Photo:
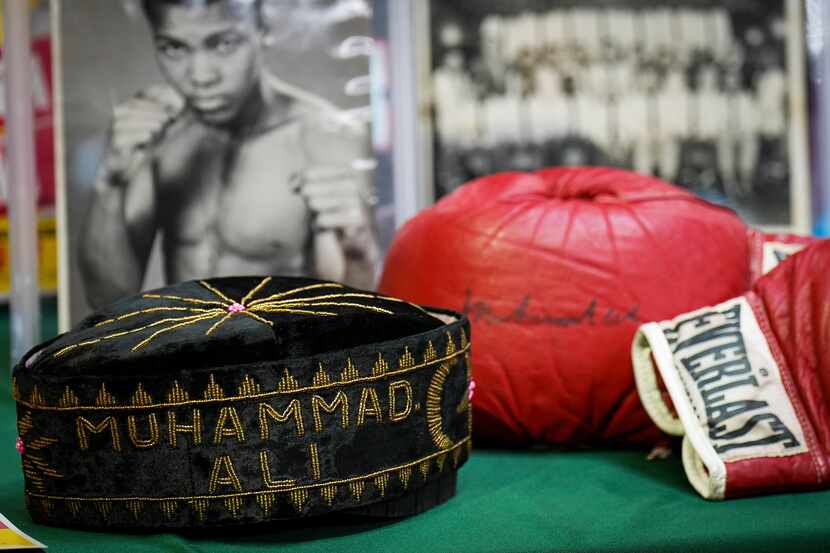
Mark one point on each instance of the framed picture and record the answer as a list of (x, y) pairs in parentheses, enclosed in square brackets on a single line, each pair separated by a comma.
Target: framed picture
[(200, 138), (818, 56), (708, 95)]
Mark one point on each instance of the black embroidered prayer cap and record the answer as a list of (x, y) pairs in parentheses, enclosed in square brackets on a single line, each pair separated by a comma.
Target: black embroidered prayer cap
[(241, 400)]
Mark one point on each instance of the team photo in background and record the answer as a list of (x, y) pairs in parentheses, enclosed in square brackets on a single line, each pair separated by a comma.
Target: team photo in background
[(696, 93)]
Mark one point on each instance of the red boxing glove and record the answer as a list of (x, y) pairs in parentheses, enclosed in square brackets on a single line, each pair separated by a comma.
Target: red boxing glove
[(767, 250), (556, 271), (749, 380)]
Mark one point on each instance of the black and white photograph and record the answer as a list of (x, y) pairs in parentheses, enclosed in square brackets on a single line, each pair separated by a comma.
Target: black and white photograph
[(211, 138), (707, 95)]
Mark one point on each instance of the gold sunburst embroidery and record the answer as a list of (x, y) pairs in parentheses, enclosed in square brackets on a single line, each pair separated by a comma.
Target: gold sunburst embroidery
[(223, 309)]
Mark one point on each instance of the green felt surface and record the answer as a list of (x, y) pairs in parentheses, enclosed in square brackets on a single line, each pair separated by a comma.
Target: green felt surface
[(507, 501)]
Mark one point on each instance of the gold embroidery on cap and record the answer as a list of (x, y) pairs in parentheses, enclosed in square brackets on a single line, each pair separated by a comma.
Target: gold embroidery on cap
[(356, 487), (153, 430), (315, 461), (321, 378), (217, 324), (169, 508), (150, 310), (349, 373), (179, 397), (226, 309), (266, 411), (200, 506), (24, 423), (177, 394), (249, 387), (396, 415), (287, 382), (266, 502), (35, 398), (429, 353), (213, 390), (403, 472), (141, 397), (104, 508), (221, 431), (41, 443), (68, 398), (456, 455), (298, 498), (381, 482), (35, 466), (423, 466), (104, 398), (404, 475), (226, 298), (135, 506), (440, 460), (194, 429), (234, 506), (46, 505), (450, 345), (380, 367), (82, 426), (279, 295), (223, 474), (74, 507), (265, 470), (435, 393), (318, 403), (363, 411), (406, 360), (179, 322), (328, 493)]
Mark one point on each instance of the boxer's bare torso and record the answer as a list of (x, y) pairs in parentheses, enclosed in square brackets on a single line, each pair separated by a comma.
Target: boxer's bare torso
[(226, 204), (224, 201)]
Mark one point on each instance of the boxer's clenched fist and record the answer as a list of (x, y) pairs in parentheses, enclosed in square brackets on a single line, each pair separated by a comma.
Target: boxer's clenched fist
[(339, 198), (137, 124)]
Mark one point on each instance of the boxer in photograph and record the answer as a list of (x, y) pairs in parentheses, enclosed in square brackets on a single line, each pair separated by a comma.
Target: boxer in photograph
[(694, 30), (456, 118), (548, 116), (492, 50), (658, 33), (720, 33), (555, 31), (239, 172), (593, 119), (511, 39), (772, 98), (674, 106), (587, 29), (624, 34), (453, 90), (547, 80), (709, 115)]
